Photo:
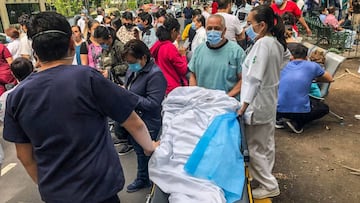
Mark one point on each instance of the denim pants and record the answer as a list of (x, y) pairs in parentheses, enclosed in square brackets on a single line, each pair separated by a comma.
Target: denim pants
[(142, 159)]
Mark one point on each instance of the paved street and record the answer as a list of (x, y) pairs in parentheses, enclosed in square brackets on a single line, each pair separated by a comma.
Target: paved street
[(17, 187)]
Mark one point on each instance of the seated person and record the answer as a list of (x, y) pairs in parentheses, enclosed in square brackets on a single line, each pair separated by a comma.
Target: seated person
[(316, 56), (295, 108), (323, 14), (332, 21)]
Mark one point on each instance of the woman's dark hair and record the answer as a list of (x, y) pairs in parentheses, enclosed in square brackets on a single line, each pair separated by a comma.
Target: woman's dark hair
[(12, 32), (164, 32), (78, 27), (127, 15), (21, 68), (51, 35), (137, 49), (331, 10), (105, 33), (116, 23), (200, 18), (145, 17), (288, 18), (266, 14), (90, 24)]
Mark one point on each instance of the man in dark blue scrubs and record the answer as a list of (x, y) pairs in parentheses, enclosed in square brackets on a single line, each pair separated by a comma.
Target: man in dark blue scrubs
[(57, 119)]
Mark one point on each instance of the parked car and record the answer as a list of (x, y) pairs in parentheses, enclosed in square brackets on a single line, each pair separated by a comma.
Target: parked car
[(177, 9)]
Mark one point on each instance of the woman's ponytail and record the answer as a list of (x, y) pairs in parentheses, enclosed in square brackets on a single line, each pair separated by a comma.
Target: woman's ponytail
[(279, 31)]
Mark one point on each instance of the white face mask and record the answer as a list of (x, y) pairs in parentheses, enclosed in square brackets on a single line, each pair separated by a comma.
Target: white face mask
[(279, 2)]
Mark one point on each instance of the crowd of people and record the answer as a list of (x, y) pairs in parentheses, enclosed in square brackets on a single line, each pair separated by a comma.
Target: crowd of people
[(120, 68)]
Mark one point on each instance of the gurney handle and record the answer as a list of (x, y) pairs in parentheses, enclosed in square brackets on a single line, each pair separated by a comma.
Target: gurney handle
[(244, 147)]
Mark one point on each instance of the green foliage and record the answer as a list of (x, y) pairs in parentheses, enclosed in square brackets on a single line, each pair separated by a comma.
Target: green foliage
[(66, 7), (132, 4)]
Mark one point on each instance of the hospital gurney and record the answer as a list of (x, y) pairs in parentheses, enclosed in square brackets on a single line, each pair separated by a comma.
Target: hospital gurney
[(158, 196)]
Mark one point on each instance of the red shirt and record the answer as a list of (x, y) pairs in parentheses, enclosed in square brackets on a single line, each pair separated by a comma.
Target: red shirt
[(5, 73), (214, 7), (289, 7), (171, 63)]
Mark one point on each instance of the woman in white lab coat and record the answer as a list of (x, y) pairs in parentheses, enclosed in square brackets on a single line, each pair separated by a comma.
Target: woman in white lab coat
[(260, 79)]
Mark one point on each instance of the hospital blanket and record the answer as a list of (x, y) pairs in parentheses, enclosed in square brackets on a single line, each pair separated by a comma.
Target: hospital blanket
[(187, 113)]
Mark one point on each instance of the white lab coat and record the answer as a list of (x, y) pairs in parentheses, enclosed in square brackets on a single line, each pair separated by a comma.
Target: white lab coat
[(260, 79)]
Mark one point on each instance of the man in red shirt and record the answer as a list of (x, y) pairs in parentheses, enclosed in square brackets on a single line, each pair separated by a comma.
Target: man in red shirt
[(214, 7), (282, 6)]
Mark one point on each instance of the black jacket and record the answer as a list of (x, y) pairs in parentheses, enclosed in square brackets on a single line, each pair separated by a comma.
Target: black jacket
[(150, 85)]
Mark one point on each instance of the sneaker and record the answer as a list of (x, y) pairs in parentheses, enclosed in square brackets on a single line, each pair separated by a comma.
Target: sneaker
[(125, 149), (293, 126), (138, 184), (118, 141), (279, 124), (262, 193)]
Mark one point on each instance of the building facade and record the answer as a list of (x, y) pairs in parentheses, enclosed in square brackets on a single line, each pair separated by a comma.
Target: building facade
[(10, 10)]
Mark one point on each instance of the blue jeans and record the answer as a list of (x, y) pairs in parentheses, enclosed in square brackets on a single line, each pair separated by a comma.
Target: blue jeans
[(142, 159)]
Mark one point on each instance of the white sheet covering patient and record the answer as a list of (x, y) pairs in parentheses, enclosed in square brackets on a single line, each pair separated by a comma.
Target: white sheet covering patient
[(187, 112)]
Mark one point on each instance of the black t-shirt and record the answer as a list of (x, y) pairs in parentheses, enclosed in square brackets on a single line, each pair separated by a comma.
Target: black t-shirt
[(84, 47), (63, 113)]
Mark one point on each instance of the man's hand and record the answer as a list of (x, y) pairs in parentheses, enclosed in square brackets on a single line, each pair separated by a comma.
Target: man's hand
[(182, 51), (155, 145), (308, 32)]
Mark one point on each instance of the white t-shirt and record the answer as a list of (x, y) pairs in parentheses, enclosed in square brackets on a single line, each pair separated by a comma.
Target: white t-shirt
[(233, 26), (205, 14), (14, 48), (199, 38), (3, 98), (99, 18), (25, 48), (81, 23)]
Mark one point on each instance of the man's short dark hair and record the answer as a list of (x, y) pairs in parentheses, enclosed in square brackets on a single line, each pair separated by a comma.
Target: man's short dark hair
[(300, 51), (223, 4), (127, 15), (51, 35), (99, 11), (21, 68)]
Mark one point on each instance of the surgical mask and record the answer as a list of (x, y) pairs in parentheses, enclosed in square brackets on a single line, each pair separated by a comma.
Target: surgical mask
[(104, 46), (141, 27), (135, 67), (128, 25), (279, 2), (251, 33), (213, 37), (159, 24), (193, 26), (8, 39)]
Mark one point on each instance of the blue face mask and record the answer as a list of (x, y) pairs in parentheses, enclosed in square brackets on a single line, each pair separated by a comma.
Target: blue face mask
[(140, 26), (104, 46), (213, 37), (135, 67), (8, 39), (193, 26), (251, 33)]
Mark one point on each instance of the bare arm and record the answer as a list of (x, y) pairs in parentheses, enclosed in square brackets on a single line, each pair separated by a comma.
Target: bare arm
[(236, 89), (9, 60), (84, 59), (303, 23), (25, 155), (138, 130), (326, 77), (192, 79)]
